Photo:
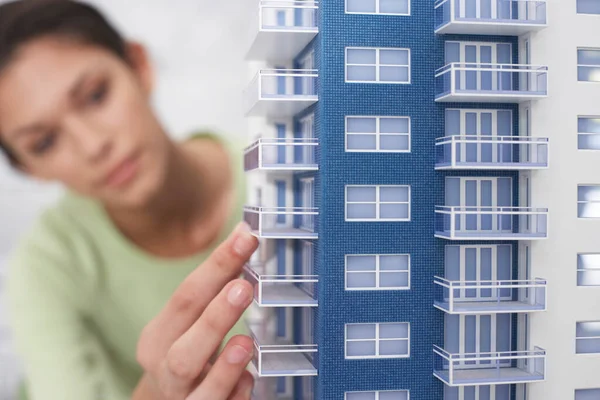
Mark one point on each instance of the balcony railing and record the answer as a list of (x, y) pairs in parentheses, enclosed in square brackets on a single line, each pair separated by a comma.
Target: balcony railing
[(282, 222), (491, 152), (491, 223), (489, 368), (281, 154), (470, 82), (484, 17), (283, 359), (281, 93), (281, 290), (282, 28), (476, 297)]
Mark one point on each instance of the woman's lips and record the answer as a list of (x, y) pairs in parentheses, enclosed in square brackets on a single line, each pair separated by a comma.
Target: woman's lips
[(123, 173)]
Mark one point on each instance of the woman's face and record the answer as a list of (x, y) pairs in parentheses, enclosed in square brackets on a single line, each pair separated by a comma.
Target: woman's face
[(79, 115)]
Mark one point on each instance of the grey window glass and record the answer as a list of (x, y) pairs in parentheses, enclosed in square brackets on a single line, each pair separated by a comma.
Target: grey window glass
[(361, 56), (393, 74), (361, 125), (393, 7), (361, 193), (361, 6), (362, 142), (357, 349), (588, 337), (588, 142), (589, 133), (588, 269), (589, 65), (393, 125), (394, 395), (360, 331), (393, 57), (361, 73), (360, 263), (588, 124), (360, 211), (393, 331), (394, 142), (360, 396), (393, 262), (393, 279), (588, 7), (361, 280), (588, 193), (587, 394), (394, 211), (395, 194), (393, 347)]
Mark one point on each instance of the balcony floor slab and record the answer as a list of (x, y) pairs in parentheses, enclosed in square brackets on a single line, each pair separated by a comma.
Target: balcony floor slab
[(477, 307), (488, 376)]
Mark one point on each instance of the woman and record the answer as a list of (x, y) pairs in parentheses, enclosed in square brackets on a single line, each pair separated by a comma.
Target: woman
[(122, 290)]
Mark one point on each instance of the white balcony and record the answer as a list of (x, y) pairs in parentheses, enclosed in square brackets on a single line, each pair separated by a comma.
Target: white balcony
[(488, 297), (282, 222), (281, 155), (280, 358), (490, 368), (487, 17), (491, 223), (490, 83), (280, 93), (281, 290), (491, 152), (282, 28)]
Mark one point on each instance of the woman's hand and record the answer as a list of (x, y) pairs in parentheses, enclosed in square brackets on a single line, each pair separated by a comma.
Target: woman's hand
[(176, 347)]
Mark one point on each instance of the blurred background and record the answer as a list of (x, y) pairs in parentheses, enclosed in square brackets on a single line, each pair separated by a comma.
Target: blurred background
[(197, 47)]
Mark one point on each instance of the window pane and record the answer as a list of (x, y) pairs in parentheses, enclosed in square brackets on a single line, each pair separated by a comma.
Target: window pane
[(588, 278), (587, 394), (588, 125), (360, 263), (393, 348), (393, 7), (397, 262), (357, 349), (588, 261), (360, 331), (394, 395), (588, 74), (588, 210), (393, 57), (588, 329), (393, 74), (360, 396), (588, 346), (393, 280), (588, 193), (362, 211), (588, 142), (361, 56), (361, 73), (393, 125), (361, 193), (361, 142), (588, 57), (394, 211), (361, 280), (394, 193), (362, 6), (393, 331), (361, 125), (394, 142)]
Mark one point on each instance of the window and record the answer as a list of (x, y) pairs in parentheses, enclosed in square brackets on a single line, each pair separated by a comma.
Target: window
[(380, 395), (588, 6), (587, 394), (398, 7), (588, 337), (385, 134), (385, 340), (377, 203), (588, 65), (588, 269), (588, 133), (588, 201), (381, 65), (378, 272)]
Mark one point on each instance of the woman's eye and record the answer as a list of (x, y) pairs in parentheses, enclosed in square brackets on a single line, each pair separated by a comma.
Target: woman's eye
[(44, 144), (98, 95)]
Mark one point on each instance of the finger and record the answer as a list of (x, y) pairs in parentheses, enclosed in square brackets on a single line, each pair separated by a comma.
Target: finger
[(194, 294), (226, 372), (193, 350), (243, 389)]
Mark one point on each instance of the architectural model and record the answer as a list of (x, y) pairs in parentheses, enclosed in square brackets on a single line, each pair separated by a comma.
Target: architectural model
[(425, 182)]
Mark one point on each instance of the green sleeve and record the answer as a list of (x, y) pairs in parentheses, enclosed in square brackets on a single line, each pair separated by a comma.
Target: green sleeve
[(48, 296)]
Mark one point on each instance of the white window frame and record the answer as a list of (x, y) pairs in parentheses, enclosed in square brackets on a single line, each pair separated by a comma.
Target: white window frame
[(577, 339), (377, 203), (583, 270), (377, 134), (377, 392), (376, 339), (377, 65), (377, 271), (587, 65), (585, 133), (377, 12)]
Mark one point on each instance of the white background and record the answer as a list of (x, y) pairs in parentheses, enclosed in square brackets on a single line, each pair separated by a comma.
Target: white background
[(197, 48)]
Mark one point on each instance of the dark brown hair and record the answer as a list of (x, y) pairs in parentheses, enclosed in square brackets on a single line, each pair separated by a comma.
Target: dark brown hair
[(24, 20)]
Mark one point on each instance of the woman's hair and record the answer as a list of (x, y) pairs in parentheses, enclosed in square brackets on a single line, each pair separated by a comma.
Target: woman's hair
[(24, 20)]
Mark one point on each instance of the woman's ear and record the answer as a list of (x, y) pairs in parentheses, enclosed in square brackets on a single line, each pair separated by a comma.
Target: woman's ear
[(139, 60)]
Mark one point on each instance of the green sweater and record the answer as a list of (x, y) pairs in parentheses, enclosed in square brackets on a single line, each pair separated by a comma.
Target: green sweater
[(79, 295)]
